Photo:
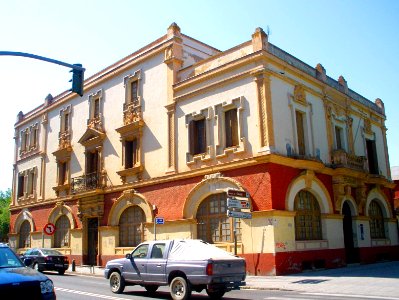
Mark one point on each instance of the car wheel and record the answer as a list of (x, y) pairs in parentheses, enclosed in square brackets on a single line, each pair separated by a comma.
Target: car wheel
[(216, 295), (151, 288), (117, 283), (36, 267), (61, 272), (180, 289)]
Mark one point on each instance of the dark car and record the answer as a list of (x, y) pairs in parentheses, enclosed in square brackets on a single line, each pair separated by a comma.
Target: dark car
[(44, 259), (17, 281)]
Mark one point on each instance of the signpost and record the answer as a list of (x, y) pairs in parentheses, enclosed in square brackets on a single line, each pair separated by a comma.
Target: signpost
[(48, 229), (236, 201), (159, 221)]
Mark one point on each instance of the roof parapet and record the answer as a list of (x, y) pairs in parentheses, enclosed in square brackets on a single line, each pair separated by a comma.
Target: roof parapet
[(260, 40)]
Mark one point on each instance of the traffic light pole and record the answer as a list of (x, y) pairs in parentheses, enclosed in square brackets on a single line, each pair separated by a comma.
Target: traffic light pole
[(77, 69)]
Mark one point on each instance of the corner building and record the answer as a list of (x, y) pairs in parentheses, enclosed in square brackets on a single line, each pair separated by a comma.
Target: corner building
[(167, 130)]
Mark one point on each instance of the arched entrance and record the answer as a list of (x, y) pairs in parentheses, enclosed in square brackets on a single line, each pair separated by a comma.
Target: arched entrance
[(352, 255)]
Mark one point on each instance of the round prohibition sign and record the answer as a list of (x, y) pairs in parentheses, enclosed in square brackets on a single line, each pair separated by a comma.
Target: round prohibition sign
[(49, 229)]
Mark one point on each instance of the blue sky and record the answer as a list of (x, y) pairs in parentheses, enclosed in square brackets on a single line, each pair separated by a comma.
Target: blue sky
[(356, 39)]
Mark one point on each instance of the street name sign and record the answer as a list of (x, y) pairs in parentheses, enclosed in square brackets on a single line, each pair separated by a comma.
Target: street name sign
[(236, 203), (237, 193), (159, 220), (239, 214)]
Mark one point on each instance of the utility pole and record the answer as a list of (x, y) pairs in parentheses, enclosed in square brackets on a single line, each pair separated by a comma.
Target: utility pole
[(77, 69)]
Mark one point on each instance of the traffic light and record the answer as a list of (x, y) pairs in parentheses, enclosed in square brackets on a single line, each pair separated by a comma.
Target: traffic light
[(77, 80)]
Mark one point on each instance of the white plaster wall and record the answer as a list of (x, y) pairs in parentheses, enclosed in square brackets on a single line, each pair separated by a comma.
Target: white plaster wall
[(333, 232), (282, 118), (393, 233)]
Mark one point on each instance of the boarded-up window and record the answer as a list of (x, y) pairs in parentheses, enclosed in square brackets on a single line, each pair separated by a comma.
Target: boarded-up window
[(308, 217), (131, 227), (300, 129), (231, 128), (197, 136)]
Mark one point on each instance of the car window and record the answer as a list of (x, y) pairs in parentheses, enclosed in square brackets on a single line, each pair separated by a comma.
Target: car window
[(158, 251), (141, 251), (34, 252), (8, 259), (28, 252), (51, 252)]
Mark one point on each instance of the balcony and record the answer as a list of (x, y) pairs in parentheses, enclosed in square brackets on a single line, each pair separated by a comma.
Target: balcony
[(342, 159), (86, 183)]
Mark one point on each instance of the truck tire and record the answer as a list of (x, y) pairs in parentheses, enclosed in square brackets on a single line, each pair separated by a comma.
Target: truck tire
[(116, 282), (151, 288), (215, 295), (180, 289)]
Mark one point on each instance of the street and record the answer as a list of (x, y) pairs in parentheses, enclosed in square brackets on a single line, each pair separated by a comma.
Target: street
[(71, 287)]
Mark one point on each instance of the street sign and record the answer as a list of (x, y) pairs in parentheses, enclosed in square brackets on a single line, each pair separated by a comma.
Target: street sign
[(239, 214), (49, 229), (237, 193), (235, 203), (159, 220)]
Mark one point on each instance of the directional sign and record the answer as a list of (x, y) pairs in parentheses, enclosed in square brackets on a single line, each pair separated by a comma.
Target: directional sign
[(159, 220), (237, 193), (49, 229), (235, 203), (239, 214)]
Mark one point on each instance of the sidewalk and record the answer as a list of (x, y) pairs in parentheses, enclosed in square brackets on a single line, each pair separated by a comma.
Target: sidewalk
[(379, 279)]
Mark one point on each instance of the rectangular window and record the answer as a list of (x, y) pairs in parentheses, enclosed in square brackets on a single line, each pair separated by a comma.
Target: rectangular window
[(231, 128), (131, 153), (34, 137), (372, 157), (300, 129), (339, 137), (31, 179), (96, 108), (21, 185), (92, 162), (197, 137), (66, 122), (62, 169), (134, 91)]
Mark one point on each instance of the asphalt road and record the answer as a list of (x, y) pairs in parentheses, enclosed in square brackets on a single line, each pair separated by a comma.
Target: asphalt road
[(72, 287)]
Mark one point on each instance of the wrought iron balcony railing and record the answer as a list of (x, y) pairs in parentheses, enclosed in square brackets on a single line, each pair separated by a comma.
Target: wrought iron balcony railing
[(86, 182)]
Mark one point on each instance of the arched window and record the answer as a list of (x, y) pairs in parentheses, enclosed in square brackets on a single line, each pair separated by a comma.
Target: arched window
[(213, 225), (131, 231), (24, 235), (377, 230), (61, 235), (307, 218)]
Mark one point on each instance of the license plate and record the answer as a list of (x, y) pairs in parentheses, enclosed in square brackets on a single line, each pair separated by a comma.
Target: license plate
[(59, 266)]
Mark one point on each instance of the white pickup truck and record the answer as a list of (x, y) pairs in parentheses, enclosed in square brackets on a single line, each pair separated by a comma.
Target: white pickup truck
[(184, 265)]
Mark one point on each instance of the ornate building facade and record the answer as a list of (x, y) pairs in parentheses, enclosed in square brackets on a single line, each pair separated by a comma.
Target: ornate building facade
[(167, 130)]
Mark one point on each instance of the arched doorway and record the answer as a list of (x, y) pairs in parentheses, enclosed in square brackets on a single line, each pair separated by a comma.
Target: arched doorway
[(351, 252)]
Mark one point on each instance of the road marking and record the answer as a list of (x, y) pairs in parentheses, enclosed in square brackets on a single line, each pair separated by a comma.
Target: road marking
[(88, 294), (352, 296)]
